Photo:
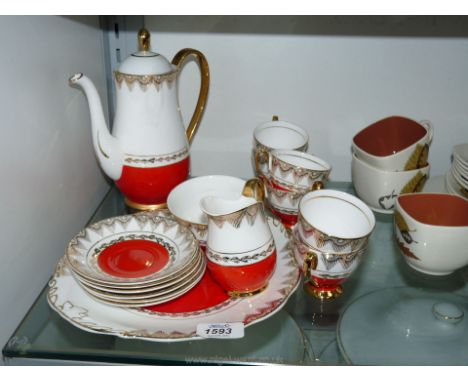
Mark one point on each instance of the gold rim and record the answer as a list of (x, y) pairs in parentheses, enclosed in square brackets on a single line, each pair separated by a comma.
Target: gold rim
[(322, 294), (238, 294), (145, 207)]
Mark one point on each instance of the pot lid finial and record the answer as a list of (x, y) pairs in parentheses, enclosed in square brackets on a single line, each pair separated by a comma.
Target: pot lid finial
[(144, 62), (144, 40)]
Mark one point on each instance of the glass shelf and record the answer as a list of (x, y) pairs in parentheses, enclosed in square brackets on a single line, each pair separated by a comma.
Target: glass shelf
[(302, 333)]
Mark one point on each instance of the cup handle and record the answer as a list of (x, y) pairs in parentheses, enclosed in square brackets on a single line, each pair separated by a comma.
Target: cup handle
[(310, 264), (430, 129), (254, 188), (261, 155), (318, 185)]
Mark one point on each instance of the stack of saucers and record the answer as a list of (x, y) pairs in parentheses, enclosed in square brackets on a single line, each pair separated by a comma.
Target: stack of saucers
[(456, 179), (136, 260)]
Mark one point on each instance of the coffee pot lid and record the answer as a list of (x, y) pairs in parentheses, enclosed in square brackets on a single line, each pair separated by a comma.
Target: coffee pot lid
[(145, 62), (405, 326)]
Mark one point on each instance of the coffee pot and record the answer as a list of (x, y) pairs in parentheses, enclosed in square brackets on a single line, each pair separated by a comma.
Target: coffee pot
[(147, 154)]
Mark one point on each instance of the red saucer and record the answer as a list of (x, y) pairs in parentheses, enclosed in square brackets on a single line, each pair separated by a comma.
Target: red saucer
[(133, 258)]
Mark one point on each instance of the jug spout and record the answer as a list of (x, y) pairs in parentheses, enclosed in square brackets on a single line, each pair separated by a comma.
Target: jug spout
[(215, 206), (241, 221), (107, 147)]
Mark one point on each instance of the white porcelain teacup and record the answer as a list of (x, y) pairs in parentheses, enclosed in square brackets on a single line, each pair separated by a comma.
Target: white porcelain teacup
[(296, 170), (394, 144), (275, 135), (329, 239), (291, 175), (379, 188), (431, 231)]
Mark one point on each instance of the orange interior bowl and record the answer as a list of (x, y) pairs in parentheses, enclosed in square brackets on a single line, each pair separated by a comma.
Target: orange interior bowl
[(436, 209), (389, 136)]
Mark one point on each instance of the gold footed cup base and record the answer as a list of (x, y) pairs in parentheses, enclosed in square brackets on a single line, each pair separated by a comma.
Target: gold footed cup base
[(237, 294), (322, 294), (144, 207)]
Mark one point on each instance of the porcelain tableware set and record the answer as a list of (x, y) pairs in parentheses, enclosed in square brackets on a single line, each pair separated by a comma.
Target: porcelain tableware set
[(214, 255), (176, 320), (389, 158), (156, 260)]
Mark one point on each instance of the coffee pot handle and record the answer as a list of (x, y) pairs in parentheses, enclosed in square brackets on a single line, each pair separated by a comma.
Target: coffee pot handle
[(179, 60)]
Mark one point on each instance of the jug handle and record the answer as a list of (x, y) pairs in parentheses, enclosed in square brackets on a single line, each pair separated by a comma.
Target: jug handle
[(254, 188), (179, 60)]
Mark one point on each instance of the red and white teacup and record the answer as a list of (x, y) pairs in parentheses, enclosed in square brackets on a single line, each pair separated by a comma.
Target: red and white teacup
[(295, 170), (284, 203), (330, 238), (291, 175)]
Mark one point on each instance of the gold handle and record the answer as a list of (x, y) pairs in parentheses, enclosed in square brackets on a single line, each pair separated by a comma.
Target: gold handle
[(261, 156), (310, 264), (179, 60), (318, 185), (254, 188)]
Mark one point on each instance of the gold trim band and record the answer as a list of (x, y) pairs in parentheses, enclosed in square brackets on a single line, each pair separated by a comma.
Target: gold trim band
[(322, 294), (145, 207), (238, 294)]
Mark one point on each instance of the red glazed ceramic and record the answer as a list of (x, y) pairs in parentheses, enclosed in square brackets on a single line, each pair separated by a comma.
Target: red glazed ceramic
[(147, 154)]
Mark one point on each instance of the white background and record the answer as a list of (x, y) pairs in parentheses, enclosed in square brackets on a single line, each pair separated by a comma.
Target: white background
[(331, 85)]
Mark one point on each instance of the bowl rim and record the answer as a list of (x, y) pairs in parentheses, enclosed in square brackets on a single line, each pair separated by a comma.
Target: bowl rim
[(383, 157), (196, 179), (376, 169), (400, 208)]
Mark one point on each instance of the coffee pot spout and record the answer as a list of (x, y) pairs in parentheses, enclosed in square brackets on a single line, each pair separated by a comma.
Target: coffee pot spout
[(106, 147)]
